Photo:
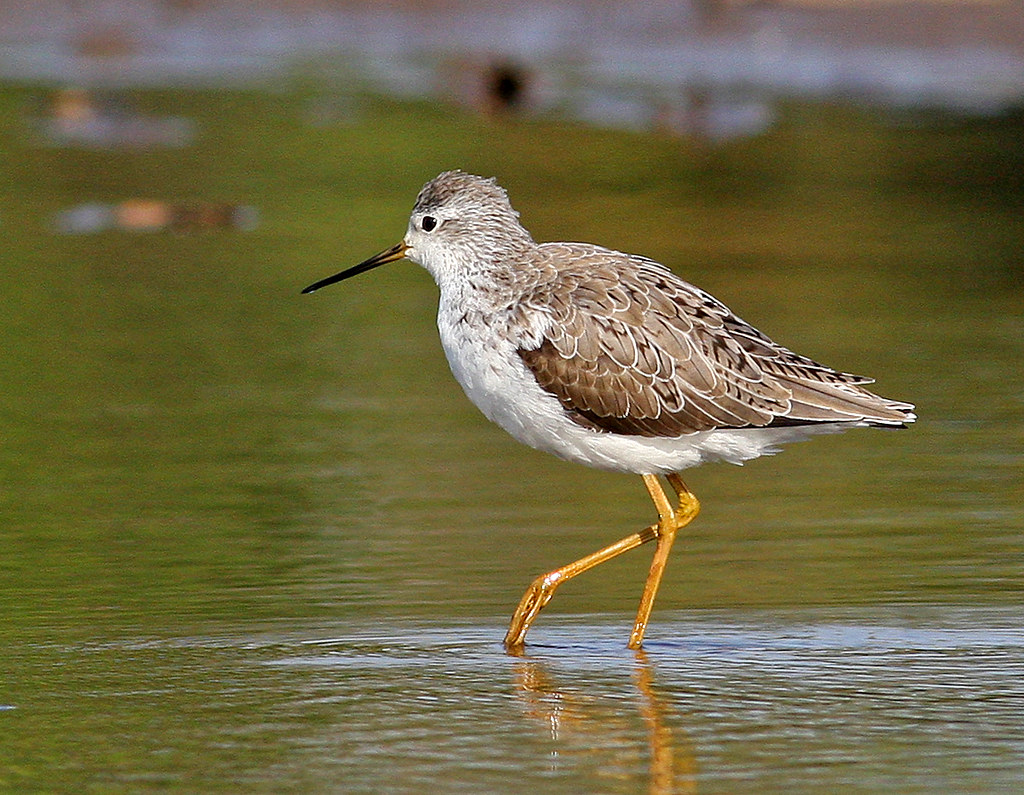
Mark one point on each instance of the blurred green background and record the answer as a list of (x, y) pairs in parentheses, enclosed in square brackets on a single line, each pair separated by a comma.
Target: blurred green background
[(252, 540)]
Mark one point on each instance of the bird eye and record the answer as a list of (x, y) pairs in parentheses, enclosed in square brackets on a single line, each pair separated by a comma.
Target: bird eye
[(429, 223)]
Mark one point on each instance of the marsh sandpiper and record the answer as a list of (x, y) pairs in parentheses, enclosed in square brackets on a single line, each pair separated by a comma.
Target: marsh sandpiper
[(610, 360)]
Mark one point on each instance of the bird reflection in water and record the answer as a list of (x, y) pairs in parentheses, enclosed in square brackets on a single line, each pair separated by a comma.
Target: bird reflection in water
[(577, 722)]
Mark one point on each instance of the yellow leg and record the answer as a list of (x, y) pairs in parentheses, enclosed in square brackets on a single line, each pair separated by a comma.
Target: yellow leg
[(543, 588), (669, 521)]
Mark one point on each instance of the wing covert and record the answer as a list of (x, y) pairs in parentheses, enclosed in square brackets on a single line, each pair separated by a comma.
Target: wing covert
[(629, 348)]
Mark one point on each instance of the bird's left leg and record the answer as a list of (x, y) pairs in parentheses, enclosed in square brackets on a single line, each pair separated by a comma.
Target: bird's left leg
[(670, 520), (543, 588)]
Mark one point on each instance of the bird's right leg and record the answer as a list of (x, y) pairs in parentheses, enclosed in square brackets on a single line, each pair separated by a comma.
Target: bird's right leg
[(543, 588)]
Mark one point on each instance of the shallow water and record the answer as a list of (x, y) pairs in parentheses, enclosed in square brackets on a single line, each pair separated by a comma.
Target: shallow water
[(258, 541), (917, 699)]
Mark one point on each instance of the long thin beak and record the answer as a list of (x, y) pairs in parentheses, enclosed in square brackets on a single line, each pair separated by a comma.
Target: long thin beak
[(389, 255)]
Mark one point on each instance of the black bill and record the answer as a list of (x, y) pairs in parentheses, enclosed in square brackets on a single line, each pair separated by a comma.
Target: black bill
[(389, 255)]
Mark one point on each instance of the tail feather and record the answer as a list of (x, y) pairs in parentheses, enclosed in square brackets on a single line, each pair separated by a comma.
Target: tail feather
[(814, 401)]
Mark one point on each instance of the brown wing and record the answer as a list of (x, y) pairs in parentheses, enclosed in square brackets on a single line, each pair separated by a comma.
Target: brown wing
[(630, 348)]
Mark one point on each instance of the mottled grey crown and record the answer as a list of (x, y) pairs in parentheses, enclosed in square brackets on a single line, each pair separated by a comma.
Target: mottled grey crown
[(458, 189)]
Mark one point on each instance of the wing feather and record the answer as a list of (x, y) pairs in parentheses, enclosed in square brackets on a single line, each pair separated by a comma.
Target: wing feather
[(627, 347)]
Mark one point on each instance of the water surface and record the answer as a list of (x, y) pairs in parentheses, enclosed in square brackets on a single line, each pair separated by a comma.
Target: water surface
[(259, 541)]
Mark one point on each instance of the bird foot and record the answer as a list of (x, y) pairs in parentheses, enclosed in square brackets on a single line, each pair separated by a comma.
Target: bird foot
[(537, 595)]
